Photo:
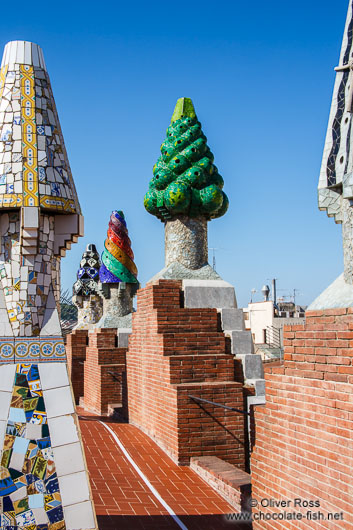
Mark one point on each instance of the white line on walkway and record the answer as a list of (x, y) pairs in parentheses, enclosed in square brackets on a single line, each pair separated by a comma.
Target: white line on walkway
[(145, 479)]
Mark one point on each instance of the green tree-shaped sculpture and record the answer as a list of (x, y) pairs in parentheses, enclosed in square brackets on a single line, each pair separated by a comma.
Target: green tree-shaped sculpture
[(185, 181)]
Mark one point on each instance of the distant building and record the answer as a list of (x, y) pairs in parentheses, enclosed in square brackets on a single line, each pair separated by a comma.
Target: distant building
[(266, 319)]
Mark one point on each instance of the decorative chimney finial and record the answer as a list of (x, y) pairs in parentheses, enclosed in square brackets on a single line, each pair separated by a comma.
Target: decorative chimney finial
[(86, 290), (118, 275), (185, 193)]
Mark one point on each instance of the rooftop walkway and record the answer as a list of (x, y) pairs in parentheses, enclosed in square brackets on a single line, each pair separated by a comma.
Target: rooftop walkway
[(136, 486)]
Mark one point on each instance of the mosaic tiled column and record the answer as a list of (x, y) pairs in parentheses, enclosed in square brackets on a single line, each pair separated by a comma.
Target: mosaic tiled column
[(43, 482), (335, 188), (186, 190), (186, 242), (118, 275), (85, 289)]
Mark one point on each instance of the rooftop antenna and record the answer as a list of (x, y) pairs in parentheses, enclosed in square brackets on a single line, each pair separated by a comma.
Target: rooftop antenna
[(274, 292), (295, 292), (213, 256), (291, 297)]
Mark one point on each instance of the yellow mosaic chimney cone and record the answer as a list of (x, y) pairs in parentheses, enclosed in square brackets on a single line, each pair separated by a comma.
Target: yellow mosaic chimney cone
[(44, 479)]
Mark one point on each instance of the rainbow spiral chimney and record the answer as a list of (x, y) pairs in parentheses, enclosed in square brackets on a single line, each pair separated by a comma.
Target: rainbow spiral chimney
[(118, 258)]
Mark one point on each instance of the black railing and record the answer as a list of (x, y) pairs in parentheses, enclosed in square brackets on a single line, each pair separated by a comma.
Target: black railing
[(195, 398), (117, 377), (273, 337)]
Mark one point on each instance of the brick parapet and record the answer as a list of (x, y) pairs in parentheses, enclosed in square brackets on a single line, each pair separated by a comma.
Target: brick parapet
[(173, 352), (104, 372), (303, 433), (76, 343), (323, 349), (191, 368), (209, 430), (232, 483)]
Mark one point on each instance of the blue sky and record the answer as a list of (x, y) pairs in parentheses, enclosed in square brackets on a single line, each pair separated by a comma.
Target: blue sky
[(261, 78)]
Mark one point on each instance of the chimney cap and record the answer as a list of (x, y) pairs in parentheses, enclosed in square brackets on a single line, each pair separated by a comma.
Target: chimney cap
[(23, 52), (265, 291)]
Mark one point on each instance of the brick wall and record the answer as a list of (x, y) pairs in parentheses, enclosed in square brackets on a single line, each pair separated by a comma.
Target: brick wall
[(76, 343), (232, 483), (175, 352), (304, 441), (104, 371)]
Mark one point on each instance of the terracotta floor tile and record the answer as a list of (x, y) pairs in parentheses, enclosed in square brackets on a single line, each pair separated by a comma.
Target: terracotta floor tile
[(124, 501)]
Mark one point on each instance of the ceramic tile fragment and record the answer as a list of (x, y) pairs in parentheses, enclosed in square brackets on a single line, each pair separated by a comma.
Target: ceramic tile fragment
[(36, 186), (36, 494)]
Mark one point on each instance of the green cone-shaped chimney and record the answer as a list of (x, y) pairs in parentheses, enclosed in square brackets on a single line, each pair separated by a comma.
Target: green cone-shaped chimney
[(184, 108), (185, 181)]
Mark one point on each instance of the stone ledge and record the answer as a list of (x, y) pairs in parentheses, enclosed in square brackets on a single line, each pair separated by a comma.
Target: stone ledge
[(209, 293), (232, 483)]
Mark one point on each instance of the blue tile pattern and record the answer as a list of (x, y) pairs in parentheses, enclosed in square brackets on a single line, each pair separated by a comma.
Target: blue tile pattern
[(27, 464)]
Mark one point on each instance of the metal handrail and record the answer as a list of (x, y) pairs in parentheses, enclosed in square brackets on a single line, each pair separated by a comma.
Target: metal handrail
[(273, 337), (114, 375), (195, 398)]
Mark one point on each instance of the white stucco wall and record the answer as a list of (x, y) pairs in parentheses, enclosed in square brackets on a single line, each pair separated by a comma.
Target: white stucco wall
[(260, 315)]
